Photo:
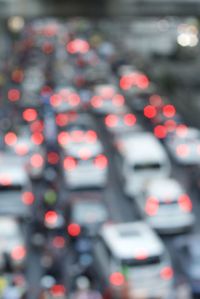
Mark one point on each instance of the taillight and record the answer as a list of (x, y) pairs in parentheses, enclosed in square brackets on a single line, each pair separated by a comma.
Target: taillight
[(57, 290), (53, 158), (118, 100), (149, 111), (28, 198), (160, 131), (29, 114), (74, 229), (167, 273), (18, 253), (117, 279), (37, 138), (96, 102), (152, 206), (74, 99), (169, 111), (58, 242), (129, 119), (185, 203), (10, 138), (63, 138), (56, 100), (111, 120), (13, 95), (37, 161), (50, 218), (101, 161), (69, 163)]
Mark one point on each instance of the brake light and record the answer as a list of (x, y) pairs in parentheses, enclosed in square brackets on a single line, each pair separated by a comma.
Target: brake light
[(74, 99), (101, 161), (51, 217), (118, 100), (37, 126), (149, 111), (74, 229), (10, 138), (185, 203), (117, 279), (130, 119), (55, 100), (69, 163), (63, 138), (160, 131), (152, 206), (156, 100), (84, 153), (37, 160), (29, 114), (53, 158), (167, 273), (5, 180), (28, 198), (18, 253), (169, 111), (182, 150), (37, 138), (61, 119), (142, 81), (111, 120), (58, 290), (96, 102), (91, 136), (170, 125), (13, 95), (125, 82)]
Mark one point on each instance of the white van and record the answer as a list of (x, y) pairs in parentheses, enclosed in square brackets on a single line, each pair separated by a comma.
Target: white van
[(130, 257), (141, 158)]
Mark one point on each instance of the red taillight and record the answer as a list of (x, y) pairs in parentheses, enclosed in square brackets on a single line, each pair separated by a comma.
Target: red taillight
[(169, 111), (28, 198), (84, 153), (74, 99), (61, 119), (37, 126), (53, 158), (117, 279), (21, 149), (74, 229), (96, 102), (118, 100), (18, 253), (37, 138), (111, 120), (10, 138), (58, 242), (141, 255), (78, 46), (152, 206), (156, 100), (29, 114), (13, 95), (57, 290), (167, 273), (185, 203), (125, 82), (91, 136), (130, 119), (101, 161), (51, 217), (55, 100), (69, 163), (149, 111), (37, 161), (160, 131), (63, 138)]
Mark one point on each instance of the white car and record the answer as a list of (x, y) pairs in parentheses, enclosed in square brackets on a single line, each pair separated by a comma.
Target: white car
[(132, 260), (84, 163), (184, 145), (12, 243), (166, 206), (140, 158), (107, 99)]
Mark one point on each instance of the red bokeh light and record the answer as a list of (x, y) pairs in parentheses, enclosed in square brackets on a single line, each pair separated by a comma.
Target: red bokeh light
[(160, 131), (37, 161), (69, 163), (29, 114), (150, 111), (74, 229), (28, 198), (117, 279), (18, 253), (53, 158), (13, 95), (10, 138), (130, 119), (169, 111), (167, 273)]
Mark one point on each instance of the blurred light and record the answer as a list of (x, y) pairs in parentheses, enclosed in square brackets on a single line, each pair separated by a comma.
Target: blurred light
[(111, 120), (21, 149), (13, 95), (37, 160), (63, 138), (149, 111), (152, 206), (58, 242), (37, 138), (185, 203), (117, 279), (156, 100), (130, 119), (74, 229), (51, 217), (10, 138), (28, 198), (69, 163), (53, 158), (61, 119), (56, 100), (57, 290), (182, 150), (167, 273), (29, 114), (77, 46), (169, 111), (84, 153), (160, 131), (16, 23), (101, 161), (118, 100), (18, 253), (91, 136)]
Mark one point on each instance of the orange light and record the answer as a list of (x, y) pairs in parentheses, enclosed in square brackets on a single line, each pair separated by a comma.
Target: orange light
[(10, 138), (28, 198), (29, 114), (74, 229), (117, 279)]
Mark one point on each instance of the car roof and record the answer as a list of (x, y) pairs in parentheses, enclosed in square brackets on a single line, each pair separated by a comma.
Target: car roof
[(142, 147), (163, 188), (129, 240)]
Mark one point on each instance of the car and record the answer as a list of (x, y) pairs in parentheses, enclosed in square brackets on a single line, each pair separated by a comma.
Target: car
[(166, 206), (139, 158), (187, 249), (13, 248), (15, 187), (106, 99), (184, 145), (88, 211), (131, 259), (85, 164)]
